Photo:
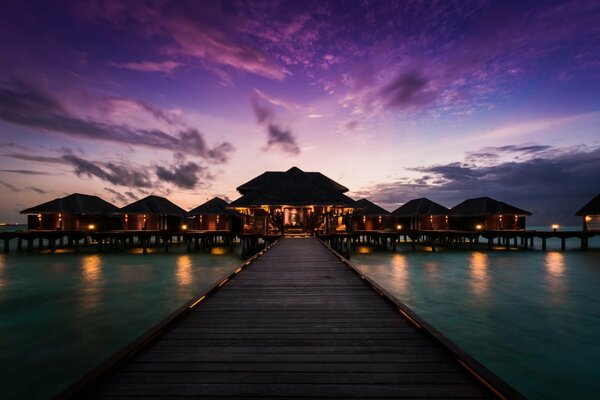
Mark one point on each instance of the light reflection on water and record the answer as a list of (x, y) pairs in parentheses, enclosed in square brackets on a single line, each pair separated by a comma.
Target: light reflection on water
[(2, 266), (184, 270), (532, 317), (479, 273)]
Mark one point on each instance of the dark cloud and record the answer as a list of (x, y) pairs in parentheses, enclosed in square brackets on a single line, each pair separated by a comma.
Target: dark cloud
[(131, 196), (10, 187), (282, 139), (36, 189), (407, 90), (24, 104), (118, 197), (185, 175), (553, 187), (121, 175), (25, 172), (493, 153), (42, 159), (277, 138)]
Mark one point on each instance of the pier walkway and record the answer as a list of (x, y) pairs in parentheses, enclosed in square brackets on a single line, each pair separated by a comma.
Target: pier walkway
[(296, 323)]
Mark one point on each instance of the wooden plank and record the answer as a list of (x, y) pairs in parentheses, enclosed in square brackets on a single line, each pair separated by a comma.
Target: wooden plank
[(295, 323)]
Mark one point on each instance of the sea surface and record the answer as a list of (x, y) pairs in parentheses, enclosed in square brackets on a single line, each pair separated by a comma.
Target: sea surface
[(63, 314), (531, 316)]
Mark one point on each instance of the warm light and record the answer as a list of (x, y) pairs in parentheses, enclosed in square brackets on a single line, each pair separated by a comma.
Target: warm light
[(91, 227), (555, 227), (588, 218), (399, 227), (478, 227), (184, 227)]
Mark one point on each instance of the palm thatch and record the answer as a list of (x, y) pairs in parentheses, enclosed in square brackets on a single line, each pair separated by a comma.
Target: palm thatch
[(277, 176), (591, 208), (215, 206), (485, 206), (295, 188), (154, 205), (367, 208), (420, 207), (75, 203)]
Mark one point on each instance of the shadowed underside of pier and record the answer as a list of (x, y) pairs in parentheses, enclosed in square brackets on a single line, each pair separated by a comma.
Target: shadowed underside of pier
[(297, 323)]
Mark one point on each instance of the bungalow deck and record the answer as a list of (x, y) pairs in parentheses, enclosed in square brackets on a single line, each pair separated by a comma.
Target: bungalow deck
[(297, 321)]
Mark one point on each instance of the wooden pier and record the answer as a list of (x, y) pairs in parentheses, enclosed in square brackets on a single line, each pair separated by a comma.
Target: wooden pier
[(297, 321)]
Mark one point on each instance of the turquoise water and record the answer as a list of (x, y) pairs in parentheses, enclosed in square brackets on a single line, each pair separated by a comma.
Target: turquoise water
[(532, 317), (62, 314)]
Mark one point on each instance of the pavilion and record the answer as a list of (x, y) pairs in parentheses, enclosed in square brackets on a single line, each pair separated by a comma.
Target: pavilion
[(421, 214), (293, 202), (153, 213), (213, 215), (370, 217), (485, 213), (591, 214)]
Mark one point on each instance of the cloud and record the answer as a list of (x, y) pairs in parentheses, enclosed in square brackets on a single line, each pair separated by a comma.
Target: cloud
[(282, 139), (121, 175), (277, 137), (150, 66), (316, 116), (41, 159), (24, 104), (118, 197), (553, 186), (290, 105), (25, 172), (36, 189), (407, 90), (10, 187), (184, 175)]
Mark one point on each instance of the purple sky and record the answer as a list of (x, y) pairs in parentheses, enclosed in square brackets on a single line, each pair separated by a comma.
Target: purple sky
[(395, 100)]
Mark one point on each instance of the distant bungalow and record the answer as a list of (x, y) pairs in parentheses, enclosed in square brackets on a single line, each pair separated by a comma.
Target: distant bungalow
[(591, 215), (485, 213), (293, 202), (75, 212), (370, 217), (214, 215), (153, 213), (421, 214)]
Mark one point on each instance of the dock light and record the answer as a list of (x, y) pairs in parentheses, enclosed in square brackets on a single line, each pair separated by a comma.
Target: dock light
[(399, 227), (555, 227), (588, 218), (184, 227), (478, 227), (91, 227)]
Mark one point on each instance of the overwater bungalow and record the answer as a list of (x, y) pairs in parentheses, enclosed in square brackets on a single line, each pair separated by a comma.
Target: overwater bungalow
[(214, 215), (293, 202), (485, 213), (421, 214), (368, 216), (75, 212), (153, 213), (591, 214)]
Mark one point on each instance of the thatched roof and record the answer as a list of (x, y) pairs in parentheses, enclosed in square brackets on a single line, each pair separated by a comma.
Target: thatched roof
[(591, 208), (276, 176), (296, 188), (75, 203), (369, 209), (420, 207), (153, 205), (485, 206), (215, 206)]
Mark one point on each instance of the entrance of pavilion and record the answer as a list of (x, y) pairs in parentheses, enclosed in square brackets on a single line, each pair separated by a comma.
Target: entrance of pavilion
[(297, 221)]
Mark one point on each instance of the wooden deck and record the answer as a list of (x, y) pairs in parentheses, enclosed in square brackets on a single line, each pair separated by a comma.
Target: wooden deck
[(296, 323)]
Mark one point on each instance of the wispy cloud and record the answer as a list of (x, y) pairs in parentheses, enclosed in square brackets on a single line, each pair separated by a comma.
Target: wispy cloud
[(150, 66), (25, 172), (277, 137)]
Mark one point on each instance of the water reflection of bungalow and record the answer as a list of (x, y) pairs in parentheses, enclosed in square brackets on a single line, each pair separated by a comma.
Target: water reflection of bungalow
[(591, 215), (75, 212), (421, 214), (153, 213), (370, 217), (484, 213), (214, 215), (293, 202)]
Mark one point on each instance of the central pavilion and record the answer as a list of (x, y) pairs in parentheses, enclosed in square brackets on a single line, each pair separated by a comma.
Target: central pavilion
[(294, 202)]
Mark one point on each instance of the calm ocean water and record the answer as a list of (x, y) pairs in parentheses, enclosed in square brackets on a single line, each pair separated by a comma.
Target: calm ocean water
[(532, 317), (62, 314)]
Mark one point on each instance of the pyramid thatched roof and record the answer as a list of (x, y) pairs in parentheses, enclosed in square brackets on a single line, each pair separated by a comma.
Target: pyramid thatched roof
[(75, 203), (296, 188), (153, 205), (484, 206), (420, 207), (276, 176), (215, 206), (369, 209), (591, 208)]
